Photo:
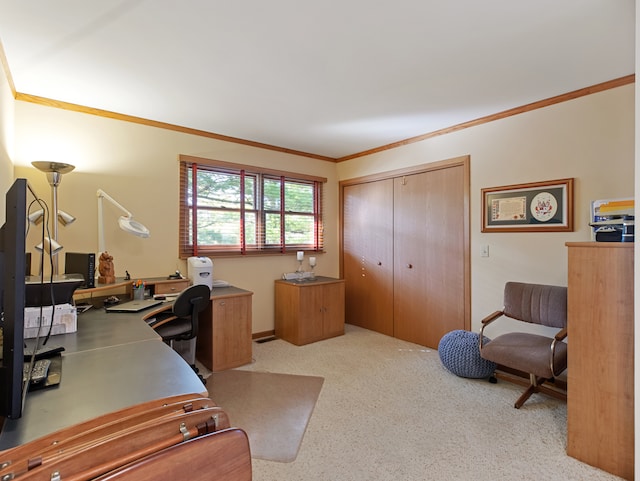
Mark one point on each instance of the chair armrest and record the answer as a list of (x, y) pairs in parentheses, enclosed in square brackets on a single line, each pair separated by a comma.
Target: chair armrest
[(159, 321), (492, 317), (561, 335), (556, 339), (158, 310), (485, 322)]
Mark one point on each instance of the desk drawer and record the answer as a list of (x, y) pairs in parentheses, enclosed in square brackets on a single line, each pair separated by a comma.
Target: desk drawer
[(171, 287)]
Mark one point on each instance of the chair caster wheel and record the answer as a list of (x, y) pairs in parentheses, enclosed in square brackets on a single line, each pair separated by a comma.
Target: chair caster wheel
[(493, 380), (197, 371)]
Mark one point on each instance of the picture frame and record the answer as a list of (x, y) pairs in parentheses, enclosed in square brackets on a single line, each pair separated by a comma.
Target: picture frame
[(534, 207)]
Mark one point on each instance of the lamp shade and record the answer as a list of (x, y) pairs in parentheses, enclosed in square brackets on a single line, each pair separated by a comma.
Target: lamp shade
[(36, 217), (131, 226), (125, 222), (65, 218), (49, 246)]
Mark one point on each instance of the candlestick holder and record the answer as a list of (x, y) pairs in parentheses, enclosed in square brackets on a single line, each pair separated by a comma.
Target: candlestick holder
[(300, 270), (312, 264)]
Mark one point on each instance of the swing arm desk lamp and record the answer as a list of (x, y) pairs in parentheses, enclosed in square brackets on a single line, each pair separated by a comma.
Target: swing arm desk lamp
[(125, 222)]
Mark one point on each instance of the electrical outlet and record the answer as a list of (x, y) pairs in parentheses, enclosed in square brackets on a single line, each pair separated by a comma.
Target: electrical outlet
[(484, 250)]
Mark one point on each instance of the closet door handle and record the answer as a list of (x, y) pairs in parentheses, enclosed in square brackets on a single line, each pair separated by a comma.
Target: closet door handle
[(379, 263), (409, 266)]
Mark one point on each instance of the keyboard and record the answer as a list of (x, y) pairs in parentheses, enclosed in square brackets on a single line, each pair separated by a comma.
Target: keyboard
[(43, 353)]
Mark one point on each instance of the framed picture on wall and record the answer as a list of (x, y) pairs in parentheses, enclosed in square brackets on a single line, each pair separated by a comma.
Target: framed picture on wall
[(536, 207)]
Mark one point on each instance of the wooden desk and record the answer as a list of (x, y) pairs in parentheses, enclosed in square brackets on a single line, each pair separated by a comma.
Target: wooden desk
[(224, 336), (113, 361), (156, 285), (600, 407), (98, 329)]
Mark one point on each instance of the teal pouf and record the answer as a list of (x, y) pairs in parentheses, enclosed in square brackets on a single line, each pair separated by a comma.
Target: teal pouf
[(460, 354)]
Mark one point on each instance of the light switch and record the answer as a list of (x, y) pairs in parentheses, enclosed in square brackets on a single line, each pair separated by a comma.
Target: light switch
[(484, 250)]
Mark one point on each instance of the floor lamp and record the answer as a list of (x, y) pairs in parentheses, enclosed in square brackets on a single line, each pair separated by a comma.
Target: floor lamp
[(126, 223), (54, 171)]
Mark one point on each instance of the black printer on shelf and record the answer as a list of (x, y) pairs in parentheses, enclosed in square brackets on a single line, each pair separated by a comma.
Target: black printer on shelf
[(622, 230), (613, 220)]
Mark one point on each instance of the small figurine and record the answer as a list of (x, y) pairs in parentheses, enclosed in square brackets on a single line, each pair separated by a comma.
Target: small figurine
[(106, 269)]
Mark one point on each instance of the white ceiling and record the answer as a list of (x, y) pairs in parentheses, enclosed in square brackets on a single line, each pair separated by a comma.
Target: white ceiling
[(331, 77)]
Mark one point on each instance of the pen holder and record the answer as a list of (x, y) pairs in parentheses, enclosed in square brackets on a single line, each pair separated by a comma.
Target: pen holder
[(138, 293)]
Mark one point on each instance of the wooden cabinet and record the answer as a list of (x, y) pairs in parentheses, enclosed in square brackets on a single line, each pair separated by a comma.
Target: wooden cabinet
[(224, 336), (600, 376), (405, 252), (309, 311)]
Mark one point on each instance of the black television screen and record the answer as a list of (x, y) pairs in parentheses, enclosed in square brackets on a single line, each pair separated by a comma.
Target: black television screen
[(12, 298)]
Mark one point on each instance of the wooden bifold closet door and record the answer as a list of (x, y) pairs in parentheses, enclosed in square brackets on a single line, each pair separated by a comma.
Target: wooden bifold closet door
[(405, 252), (368, 255)]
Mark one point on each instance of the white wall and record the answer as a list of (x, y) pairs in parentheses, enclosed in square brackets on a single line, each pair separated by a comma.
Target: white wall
[(6, 138), (138, 166), (590, 139)]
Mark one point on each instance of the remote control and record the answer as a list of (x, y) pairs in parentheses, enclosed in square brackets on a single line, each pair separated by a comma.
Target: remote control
[(38, 372)]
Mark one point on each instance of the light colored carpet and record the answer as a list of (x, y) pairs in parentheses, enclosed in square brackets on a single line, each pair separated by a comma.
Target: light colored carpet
[(389, 410), (273, 409)]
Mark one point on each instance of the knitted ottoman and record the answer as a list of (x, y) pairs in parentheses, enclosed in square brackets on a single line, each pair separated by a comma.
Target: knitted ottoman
[(460, 354)]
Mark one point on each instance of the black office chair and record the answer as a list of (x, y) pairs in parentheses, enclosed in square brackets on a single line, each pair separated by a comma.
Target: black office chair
[(181, 323)]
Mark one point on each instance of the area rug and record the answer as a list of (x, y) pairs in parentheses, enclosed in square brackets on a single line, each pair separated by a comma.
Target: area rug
[(273, 409)]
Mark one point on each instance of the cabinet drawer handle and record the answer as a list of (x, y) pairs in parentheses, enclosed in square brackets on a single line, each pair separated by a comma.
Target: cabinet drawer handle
[(222, 303)]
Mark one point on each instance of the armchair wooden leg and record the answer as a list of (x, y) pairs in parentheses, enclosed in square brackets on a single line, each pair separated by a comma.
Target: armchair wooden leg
[(525, 395), (533, 387)]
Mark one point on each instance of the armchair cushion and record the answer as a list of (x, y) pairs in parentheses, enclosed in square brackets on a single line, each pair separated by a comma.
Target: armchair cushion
[(526, 352)]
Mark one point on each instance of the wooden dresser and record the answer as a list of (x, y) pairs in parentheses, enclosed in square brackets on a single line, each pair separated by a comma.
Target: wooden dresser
[(600, 397), (309, 311)]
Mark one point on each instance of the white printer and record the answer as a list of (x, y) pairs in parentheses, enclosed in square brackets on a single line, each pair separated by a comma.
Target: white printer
[(200, 271)]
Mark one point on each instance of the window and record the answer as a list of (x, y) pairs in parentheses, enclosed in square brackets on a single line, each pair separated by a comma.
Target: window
[(231, 209)]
